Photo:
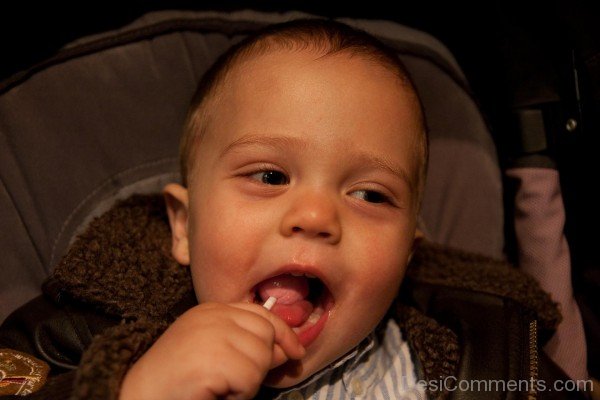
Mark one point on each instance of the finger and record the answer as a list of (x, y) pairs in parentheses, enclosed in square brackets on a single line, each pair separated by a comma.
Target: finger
[(254, 348), (256, 324), (263, 333), (285, 337), (242, 381), (279, 357), (245, 381)]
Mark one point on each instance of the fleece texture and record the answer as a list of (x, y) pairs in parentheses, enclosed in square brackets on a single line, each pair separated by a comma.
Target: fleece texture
[(121, 265), (439, 265)]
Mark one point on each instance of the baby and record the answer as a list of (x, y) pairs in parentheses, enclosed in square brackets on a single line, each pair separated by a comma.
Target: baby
[(303, 163)]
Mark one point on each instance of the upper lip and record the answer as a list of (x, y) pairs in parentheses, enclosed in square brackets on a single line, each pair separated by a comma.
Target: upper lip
[(297, 268)]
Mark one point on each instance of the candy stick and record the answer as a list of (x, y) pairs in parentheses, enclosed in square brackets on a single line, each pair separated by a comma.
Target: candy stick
[(270, 303)]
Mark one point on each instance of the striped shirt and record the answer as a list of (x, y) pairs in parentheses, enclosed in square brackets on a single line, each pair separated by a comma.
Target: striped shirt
[(379, 368)]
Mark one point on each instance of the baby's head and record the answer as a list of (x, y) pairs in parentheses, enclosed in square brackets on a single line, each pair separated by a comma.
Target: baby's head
[(303, 159)]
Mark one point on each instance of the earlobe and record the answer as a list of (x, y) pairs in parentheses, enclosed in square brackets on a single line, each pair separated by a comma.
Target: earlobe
[(176, 199), (418, 237)]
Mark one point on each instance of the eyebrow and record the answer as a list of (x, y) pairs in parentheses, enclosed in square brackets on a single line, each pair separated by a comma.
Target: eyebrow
[(384, 164), (278, 143), (283, 142)]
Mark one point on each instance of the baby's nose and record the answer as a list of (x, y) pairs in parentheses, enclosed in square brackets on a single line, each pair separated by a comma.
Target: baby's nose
[(313, 215)]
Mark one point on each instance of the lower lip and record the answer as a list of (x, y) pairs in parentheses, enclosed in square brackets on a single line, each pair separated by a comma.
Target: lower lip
[(310, 334)]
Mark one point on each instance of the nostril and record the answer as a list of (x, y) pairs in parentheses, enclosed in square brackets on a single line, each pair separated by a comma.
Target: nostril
[(320, 234)]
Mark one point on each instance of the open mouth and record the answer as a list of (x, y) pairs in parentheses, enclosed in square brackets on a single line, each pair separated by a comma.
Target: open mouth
[(303, 302)]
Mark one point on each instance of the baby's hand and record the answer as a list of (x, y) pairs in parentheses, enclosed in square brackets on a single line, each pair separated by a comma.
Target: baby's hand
[(213, 351)]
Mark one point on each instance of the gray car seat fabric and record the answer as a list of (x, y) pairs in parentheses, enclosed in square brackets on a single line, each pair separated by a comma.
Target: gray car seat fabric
[(102, 120)]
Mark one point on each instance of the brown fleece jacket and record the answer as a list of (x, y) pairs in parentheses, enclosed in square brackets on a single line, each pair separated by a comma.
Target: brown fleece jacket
[(121, 265)]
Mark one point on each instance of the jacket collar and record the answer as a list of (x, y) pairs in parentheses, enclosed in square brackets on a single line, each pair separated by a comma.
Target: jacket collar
[(121, 265)]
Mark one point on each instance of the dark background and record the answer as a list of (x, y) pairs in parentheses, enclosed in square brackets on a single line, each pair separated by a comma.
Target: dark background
[(511, 51), (516, 54)]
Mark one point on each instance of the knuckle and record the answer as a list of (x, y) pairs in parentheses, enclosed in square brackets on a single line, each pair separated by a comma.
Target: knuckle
[(264, 357), (267, 329), (255, 376)]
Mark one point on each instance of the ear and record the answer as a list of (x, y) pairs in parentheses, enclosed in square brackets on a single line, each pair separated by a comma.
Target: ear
[(418, 237), (176, 198)]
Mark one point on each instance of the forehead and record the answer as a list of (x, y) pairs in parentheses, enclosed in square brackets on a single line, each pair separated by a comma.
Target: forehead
[(280, 79), (331, 100), (278, 71)]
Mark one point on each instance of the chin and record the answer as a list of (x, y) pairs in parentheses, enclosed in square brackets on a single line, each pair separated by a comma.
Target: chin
[(286, 375), (294, 372)]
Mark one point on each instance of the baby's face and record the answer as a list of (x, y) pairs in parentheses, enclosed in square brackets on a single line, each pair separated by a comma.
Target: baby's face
[(308, 166)]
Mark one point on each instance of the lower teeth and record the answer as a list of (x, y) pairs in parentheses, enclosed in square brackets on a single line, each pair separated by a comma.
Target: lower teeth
[(314, 317)]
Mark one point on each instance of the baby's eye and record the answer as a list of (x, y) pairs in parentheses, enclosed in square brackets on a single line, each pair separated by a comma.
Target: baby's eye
[(270, 177), (370, 196)]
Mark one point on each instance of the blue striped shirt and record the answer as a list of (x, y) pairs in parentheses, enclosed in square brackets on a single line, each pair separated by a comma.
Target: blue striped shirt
[(379, 368)]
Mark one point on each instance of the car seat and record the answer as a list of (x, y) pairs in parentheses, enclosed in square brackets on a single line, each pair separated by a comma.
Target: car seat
[(101, 120)]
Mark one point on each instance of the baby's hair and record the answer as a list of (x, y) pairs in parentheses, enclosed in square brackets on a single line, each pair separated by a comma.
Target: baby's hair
[(321, 35)]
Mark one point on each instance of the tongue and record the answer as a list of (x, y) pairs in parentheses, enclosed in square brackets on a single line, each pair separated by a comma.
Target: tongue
[(290, 292), (287, 289)]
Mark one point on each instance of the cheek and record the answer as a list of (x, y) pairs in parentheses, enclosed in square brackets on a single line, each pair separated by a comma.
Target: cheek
[(383, 249), (226, 239), (379, 266), (220, 252), (373, 303), (382, 279)]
